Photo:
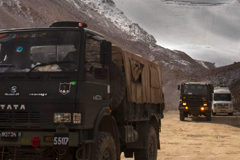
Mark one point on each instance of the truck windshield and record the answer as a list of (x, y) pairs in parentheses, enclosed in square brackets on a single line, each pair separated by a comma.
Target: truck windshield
[(195, 89), (222, 97), (41, 51)]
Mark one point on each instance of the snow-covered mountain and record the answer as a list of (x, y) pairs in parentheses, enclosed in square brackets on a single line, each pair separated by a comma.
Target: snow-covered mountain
[(116, 16), (206, 30), (104, 17)]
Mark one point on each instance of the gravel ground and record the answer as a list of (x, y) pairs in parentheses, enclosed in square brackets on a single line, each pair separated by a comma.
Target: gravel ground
[(196, 138)]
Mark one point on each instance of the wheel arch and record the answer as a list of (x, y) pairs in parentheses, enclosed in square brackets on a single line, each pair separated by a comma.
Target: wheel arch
[(106, 123)]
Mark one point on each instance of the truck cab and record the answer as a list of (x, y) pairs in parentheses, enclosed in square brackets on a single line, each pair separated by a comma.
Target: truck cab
[(222, 101), (68, 93), (54, 84), (195, 99)]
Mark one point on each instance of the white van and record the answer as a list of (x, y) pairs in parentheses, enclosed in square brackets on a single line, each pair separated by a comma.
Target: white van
[(222, 101)]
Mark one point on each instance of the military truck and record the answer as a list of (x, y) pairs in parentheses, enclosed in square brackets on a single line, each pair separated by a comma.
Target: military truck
[(195, 99), (222, 101), (68, 93)]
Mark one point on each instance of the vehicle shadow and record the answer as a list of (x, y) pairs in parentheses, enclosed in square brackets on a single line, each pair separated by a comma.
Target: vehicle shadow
[(217, 119)]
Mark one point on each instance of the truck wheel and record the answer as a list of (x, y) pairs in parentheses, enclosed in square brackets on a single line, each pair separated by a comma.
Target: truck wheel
[(181, 116), (104, 148), (117, 83), (209, 117), (213, 113), (150, 151)]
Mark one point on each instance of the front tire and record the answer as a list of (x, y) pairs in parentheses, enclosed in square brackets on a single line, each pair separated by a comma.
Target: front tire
[(104, 148), (181, 115), (150, 151), (209, 117)]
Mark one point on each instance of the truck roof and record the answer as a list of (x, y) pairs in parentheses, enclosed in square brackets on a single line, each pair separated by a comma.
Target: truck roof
[(60, 25), (222, 90), (201, 83)]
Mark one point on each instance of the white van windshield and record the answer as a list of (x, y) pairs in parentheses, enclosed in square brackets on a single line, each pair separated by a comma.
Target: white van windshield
[(222, 97)]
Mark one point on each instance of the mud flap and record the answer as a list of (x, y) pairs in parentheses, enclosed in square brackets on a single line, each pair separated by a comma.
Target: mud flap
[(142, 129)]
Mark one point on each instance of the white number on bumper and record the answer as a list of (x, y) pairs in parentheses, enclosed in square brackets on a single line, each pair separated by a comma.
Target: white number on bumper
[(63, 141)]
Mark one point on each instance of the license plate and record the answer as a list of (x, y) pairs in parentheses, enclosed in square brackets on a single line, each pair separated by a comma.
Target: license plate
[(222, 110), (61, 139), (11, 134)]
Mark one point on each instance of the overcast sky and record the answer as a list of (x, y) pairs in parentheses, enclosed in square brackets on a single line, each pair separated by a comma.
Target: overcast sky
[(205, 29)]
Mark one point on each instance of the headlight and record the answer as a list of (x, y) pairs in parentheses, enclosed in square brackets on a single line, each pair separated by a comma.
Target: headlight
[(202, 108), (184, 103), (76, 118), (62, 117), (204, 103)]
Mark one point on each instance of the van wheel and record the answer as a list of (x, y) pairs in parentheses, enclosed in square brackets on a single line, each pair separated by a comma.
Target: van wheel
[(117, 83), (104, 148), (213, 113), (150, 151)]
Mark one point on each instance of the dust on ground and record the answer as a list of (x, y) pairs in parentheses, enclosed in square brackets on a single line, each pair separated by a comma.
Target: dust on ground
[(196, 138)]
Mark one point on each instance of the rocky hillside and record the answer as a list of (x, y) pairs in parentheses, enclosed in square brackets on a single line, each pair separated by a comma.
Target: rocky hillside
[(103, 16)]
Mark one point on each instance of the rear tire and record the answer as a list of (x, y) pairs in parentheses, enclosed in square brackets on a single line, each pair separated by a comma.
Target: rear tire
[(150, 151), (104, 148)]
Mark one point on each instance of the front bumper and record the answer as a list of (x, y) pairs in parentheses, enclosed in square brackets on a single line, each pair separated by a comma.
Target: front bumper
[(195, 111), (225, 110), (39, 139)]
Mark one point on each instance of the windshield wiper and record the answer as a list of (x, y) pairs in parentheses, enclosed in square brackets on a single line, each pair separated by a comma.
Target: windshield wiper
[(45, 64), (7, 65)]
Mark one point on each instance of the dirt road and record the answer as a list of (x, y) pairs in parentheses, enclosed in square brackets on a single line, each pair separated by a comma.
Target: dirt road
[(195, 138)]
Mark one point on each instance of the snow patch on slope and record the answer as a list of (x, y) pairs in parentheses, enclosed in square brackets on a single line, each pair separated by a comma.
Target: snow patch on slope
[(202, 63), (183, 62)]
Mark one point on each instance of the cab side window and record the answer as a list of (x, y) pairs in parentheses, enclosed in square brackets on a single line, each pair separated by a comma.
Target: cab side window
[(92, 55)]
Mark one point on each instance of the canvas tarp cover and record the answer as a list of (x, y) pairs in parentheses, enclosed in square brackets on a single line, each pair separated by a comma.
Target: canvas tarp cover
[(143, 77)]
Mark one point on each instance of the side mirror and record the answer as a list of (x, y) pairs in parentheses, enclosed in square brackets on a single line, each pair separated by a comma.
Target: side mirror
[(178, 87), (106, 52)]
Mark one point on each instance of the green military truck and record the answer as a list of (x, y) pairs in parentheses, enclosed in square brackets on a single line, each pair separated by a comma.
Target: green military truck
[(195, 99), (68, 93)]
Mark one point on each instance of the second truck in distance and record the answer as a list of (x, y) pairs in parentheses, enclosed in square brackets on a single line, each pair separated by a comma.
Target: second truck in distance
[(195, 99)]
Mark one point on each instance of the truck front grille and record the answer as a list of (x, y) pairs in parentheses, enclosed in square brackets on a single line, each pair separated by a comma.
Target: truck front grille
[(194, 103), (24, 117)]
